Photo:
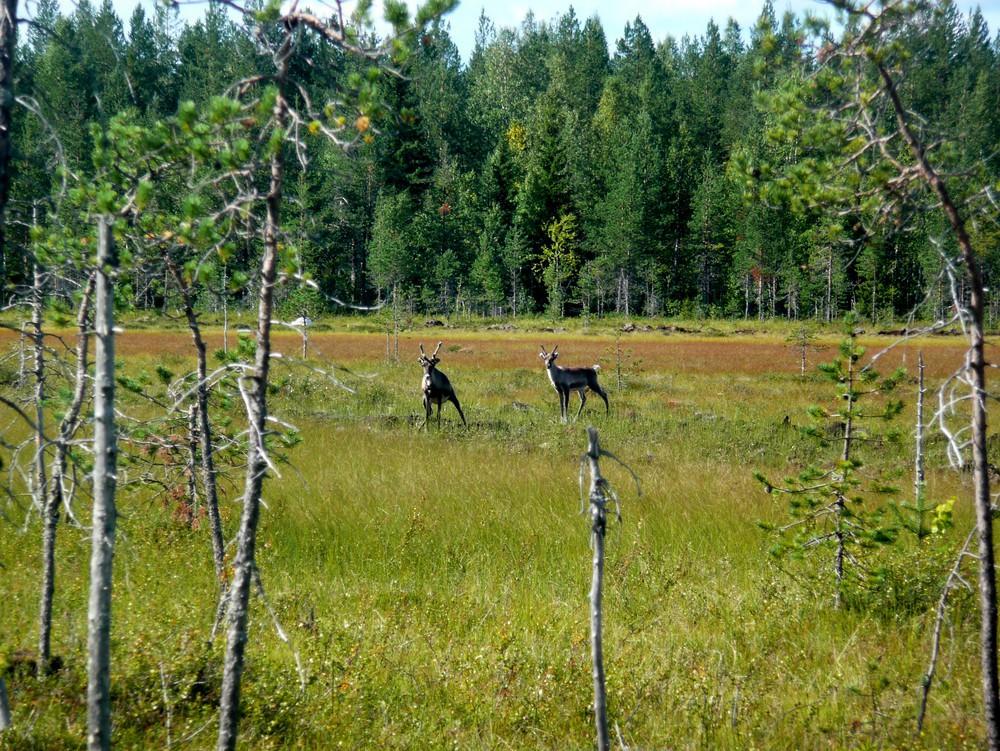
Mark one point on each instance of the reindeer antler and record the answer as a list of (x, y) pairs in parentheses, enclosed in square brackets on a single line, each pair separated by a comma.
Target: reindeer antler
[(422, 349), (435, 352), (555, 349)]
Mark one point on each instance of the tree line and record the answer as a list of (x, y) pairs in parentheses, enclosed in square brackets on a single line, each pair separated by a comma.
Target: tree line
[(543, 175)]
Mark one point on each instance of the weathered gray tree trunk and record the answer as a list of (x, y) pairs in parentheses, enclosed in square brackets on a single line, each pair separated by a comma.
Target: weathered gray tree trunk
[(841, 505), (243, 566), (598, 518), (38, 345), (104, 513), (50, 517), (919, 475)]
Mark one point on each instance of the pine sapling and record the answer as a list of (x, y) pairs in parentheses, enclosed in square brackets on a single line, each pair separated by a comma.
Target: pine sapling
[(829, 504)]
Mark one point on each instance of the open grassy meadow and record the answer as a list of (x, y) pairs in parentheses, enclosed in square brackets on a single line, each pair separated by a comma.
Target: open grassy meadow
[(434, 583)]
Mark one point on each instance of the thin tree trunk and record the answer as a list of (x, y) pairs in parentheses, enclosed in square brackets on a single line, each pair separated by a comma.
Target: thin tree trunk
[(977, 368), (38, 340), (841, 505), (50, 517), (954, 577), (104, 513), (829, 287), (919, 476), (192, 460), (225, 311), (598, 517), (208, 474), (256, 461), (22, 358), (8, 43)]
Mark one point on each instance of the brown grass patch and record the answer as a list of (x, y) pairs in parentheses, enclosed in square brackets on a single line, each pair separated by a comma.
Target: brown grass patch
[(750, 355)]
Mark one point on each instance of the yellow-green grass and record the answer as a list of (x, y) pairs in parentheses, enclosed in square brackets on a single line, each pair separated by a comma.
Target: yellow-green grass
[(435, 582)]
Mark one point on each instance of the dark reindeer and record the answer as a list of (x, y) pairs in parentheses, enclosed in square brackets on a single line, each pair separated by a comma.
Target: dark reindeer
[(436, 386), (565, 380)]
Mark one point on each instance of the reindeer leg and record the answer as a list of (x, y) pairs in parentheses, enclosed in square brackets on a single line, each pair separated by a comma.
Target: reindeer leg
[(439, 414), (454, 400), (583, 400), (601, 393), (564, 406), (427, 412)]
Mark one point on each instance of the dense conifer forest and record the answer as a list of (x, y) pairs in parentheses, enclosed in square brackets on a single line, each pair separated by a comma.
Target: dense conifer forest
[(545, 174)]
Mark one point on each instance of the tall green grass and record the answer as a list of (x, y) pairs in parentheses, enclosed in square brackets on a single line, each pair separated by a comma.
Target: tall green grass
[(435, 583)]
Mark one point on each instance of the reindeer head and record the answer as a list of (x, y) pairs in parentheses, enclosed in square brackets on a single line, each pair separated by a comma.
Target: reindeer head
[(549, 357), (429, 362)]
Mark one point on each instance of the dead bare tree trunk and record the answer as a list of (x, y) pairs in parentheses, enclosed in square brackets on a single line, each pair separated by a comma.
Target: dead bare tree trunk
[(841, 504), (919, 476), (57, 489), (598, 527), (104, 513), (953, 580), (38, 342), (255, 398), (204, 429)]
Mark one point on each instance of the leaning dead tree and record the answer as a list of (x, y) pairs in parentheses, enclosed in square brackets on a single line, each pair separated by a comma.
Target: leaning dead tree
[(600, 495)]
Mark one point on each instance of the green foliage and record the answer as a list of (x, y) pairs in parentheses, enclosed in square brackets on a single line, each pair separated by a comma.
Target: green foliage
[(559, 260), (650, 152), (841, 504)]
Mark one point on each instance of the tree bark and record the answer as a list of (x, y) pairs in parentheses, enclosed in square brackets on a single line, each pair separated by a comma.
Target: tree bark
[(919, 476), (50, 517), (598, 518), (104, 513), (841, 505), (38, 342), (243, 566)]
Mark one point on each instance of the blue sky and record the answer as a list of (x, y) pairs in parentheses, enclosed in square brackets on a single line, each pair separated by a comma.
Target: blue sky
[(663, 17)]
